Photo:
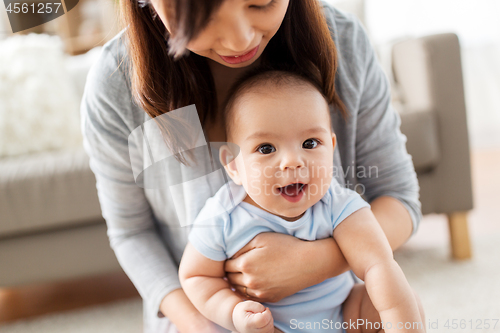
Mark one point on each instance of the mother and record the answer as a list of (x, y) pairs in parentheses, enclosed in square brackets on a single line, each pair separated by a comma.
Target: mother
[(180, 52)]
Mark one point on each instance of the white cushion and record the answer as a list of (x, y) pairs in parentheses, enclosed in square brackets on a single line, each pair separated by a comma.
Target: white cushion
[(38, 102)]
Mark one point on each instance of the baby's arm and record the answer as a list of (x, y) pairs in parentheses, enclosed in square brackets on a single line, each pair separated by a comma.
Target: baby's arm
[(369, 255), (203, 283)]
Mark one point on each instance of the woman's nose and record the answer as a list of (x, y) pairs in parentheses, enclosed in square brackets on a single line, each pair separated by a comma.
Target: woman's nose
[(237, 34)]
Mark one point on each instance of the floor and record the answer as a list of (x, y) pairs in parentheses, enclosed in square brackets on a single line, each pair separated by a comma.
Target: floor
[(483, 219), (37, 300), (430, 245)]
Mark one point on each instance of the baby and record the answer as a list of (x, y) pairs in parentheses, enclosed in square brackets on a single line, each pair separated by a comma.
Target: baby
[(282, 181)]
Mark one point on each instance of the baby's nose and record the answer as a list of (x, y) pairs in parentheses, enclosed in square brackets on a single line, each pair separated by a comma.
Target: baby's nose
[(292, 162)]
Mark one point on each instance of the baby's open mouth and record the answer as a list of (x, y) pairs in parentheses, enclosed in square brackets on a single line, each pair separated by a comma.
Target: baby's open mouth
[(292, 190)]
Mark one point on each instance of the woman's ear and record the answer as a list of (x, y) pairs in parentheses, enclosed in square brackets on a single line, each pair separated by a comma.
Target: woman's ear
[(227, 159), (334, 140)]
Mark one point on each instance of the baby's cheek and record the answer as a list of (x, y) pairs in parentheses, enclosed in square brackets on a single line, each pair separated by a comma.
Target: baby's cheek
[(254, 187)]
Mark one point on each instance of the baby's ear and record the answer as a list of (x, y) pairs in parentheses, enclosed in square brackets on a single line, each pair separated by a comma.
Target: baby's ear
[(334, 140), (227, 159)]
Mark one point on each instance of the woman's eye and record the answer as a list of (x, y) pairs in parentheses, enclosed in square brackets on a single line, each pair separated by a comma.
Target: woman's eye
[(310, 144), (264, 6), (266, 149)]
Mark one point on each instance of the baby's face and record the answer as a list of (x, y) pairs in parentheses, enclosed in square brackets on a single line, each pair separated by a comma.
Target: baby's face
[(286, 146)]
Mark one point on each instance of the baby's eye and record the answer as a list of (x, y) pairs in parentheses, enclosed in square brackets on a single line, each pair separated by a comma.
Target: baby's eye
[(266, 149), (310, 144)]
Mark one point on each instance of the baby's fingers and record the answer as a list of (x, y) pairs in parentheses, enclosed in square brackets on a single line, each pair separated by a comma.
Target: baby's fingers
[(252, 317), (262, 321), (251, 306)]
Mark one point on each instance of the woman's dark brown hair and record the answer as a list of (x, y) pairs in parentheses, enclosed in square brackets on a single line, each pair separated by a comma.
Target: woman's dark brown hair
[(163, 80)]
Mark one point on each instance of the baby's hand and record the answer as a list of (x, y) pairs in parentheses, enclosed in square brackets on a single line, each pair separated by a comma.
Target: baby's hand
[(252, 317)]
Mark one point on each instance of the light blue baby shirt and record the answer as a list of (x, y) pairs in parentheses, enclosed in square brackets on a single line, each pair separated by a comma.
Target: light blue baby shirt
[(226, 224)]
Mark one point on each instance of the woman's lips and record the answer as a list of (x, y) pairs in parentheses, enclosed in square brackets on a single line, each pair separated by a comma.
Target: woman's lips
[(293, 192), (242, 58)]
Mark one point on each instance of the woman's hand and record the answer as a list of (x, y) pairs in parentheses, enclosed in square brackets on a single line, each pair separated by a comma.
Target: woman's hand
[(273, 266)]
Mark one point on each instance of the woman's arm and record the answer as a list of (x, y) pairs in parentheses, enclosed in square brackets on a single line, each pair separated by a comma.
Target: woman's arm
[(184, 315), (394, 219), (108, 117)]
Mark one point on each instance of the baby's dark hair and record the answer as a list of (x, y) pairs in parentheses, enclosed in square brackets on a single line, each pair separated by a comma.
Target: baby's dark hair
[(257, 77)]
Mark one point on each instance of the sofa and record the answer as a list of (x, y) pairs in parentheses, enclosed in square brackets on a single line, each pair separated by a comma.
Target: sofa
[(51, 226)]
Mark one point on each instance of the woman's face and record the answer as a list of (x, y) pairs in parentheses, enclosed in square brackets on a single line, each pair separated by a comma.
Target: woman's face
[(237, 32)]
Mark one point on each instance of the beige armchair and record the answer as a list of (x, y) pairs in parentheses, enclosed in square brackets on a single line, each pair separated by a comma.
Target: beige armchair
[(428, 75)]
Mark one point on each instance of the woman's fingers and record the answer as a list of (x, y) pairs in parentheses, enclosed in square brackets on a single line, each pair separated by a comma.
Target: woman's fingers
[(273, 265), (235, 279), (246, 293), (232, 266), (234, 263), (248, 253), (242, 290)]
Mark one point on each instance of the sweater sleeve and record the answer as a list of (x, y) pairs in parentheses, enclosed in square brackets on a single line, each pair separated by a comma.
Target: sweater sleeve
[(379, 141), (373, 140), (108, 116)]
